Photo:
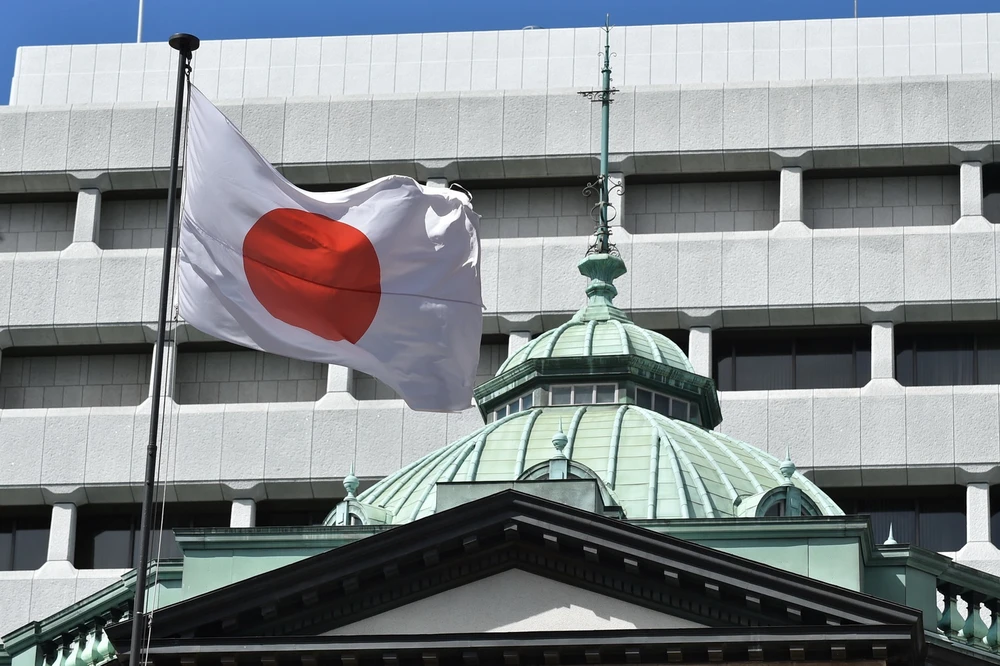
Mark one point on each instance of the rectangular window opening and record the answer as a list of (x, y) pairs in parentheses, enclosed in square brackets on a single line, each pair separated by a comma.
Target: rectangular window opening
[(108, 534), (931, 517), (954, 354), (782, 359), (24, 537)]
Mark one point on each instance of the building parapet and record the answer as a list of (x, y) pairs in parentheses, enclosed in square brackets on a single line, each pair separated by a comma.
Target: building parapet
[(716, 279), (689, 128), (542, 59)]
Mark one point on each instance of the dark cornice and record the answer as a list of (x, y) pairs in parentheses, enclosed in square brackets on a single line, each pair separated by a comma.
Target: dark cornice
[(636, 646), (364, 575)]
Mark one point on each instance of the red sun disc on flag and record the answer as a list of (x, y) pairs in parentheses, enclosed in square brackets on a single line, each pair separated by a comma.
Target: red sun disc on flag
[(313, 272)]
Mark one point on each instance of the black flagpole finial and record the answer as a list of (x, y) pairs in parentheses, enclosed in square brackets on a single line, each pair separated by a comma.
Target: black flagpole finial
[(185, 43)]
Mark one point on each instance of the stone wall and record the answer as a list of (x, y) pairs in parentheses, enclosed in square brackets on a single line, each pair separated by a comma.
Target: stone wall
[(35, 227), (694, 207), (86, 380), (209, 378), (914, 201)]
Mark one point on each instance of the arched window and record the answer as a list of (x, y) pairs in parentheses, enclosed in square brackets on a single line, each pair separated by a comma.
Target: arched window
[(786, 501)]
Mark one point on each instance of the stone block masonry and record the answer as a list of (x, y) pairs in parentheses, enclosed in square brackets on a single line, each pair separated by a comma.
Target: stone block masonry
[(35, 227), (229, 377), (86, 380)]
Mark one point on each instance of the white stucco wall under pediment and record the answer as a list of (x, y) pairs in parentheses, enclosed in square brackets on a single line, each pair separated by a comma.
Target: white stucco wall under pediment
[(514, 600)]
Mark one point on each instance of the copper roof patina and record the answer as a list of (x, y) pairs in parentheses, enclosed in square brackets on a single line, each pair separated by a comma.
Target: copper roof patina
[(653, 465)]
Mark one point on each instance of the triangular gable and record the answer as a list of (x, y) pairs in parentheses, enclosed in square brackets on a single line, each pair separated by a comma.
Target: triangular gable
[(511, 601), (691, 588)]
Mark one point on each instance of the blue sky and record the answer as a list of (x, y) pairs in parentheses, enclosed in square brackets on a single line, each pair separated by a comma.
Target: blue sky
[(29, 22)]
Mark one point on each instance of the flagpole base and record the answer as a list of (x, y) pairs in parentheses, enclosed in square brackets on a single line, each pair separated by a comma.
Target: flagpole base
[(185, 43)]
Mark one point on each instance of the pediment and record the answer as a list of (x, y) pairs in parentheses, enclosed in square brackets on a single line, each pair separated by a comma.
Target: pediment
[(513, 601), (518, 570)]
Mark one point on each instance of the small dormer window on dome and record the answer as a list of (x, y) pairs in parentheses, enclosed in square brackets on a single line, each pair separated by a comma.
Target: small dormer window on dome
[(784, 501)]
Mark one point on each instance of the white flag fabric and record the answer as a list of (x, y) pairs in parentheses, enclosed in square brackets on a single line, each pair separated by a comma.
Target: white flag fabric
[(383, 278)]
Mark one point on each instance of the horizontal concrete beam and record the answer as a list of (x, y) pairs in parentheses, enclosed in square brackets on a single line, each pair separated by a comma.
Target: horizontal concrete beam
[(881, 434), (215, 452), (35, 595), (754, 278), (523, 134)]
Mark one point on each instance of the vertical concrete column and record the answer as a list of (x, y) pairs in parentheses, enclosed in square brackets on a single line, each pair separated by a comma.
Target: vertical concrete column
[(244, 513), (169, 367), (971, 189), (616, 198), (516, 340), (87, 222), (62, 533), (977, 512), (790, 195), (437, 182), (700, 350), (339, 379), (883, 350)]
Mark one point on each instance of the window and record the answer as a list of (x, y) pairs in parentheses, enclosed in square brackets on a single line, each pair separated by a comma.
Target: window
[(786, 501), (584, 394), (519, 405), (947, 355), (995, 514), (680, 337), (932, 517), (107, 535), (674, 408), (792, 359), (24, 537), (294, 513)]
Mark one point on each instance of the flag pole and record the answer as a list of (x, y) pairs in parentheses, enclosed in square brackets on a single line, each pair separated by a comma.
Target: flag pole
[(185, 45), (138, 30)]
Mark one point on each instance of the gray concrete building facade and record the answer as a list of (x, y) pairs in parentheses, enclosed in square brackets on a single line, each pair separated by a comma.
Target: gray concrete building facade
[(808, 208)]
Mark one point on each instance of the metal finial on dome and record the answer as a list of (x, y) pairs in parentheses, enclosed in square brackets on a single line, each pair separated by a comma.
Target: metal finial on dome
[(890, 541), (605, 212), (351, 482), (787, 468), (602, 269), (560, 440)]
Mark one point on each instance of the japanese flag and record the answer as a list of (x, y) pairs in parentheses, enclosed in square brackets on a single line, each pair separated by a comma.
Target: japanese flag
[(383, 278)]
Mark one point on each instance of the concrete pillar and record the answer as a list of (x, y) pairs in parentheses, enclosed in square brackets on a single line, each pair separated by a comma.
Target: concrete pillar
[(87, 223), (616, 198), (971, 189), (62, 533), (977, 512), (169, 368), (339, 379), (516, 340), (244, 513), (883, 350), (790, 195), (437, 182), (978, 551), (700, 350)]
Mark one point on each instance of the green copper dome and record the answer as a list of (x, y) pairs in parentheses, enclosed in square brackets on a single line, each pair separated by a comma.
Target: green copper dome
[(599, 328), (625, 407), (653, 466), (581, 336), (599, 345)]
